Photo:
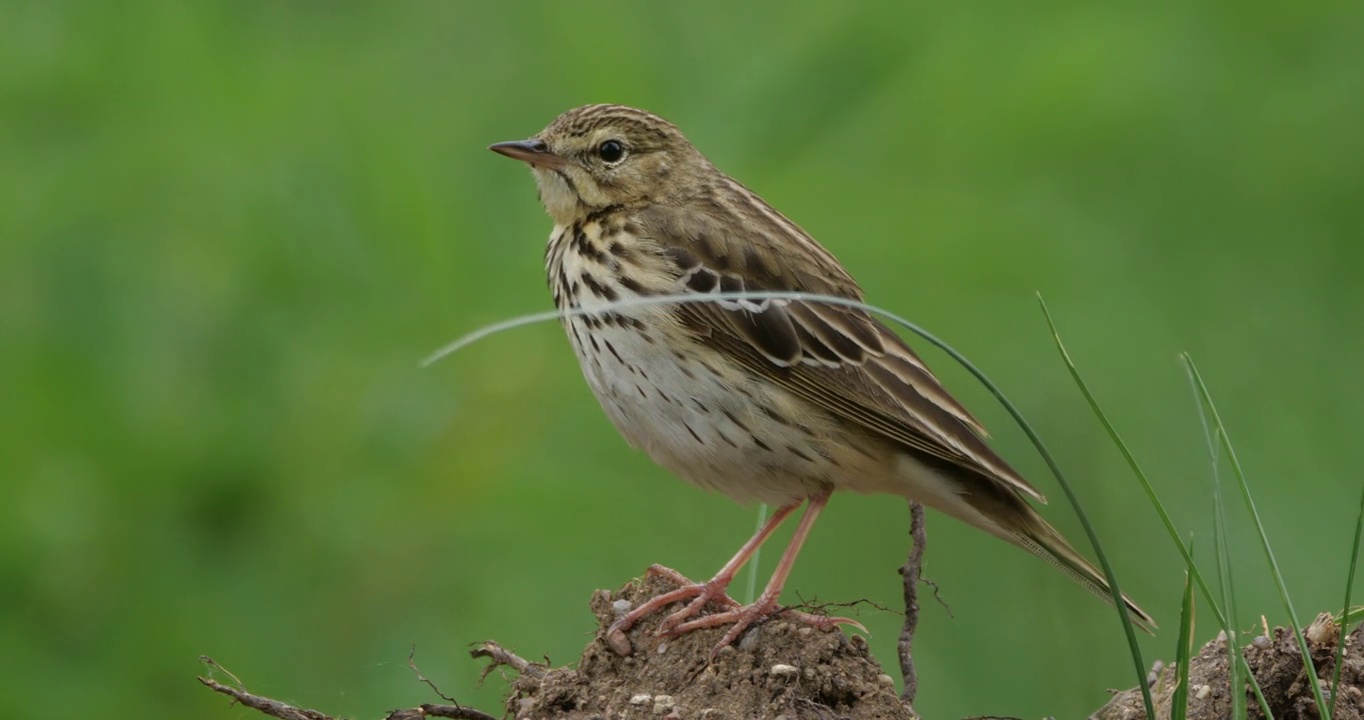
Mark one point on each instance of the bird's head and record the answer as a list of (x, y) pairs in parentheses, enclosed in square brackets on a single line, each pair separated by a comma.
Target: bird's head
[(599, 156)]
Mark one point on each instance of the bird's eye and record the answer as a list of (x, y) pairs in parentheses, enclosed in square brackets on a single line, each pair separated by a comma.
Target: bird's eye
[(611, 151)]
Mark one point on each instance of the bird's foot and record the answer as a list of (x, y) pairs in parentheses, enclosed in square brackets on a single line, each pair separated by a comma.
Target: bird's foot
[(741, 618), (698, 593)]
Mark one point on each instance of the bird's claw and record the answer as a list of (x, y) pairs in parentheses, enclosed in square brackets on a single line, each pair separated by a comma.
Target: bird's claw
[(741, 618), (697, 595)]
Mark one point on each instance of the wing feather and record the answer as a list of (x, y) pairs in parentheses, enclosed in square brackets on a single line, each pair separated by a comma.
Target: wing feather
[(839, 358)]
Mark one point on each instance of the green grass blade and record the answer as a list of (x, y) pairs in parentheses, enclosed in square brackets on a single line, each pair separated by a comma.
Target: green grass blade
[(1236, 684), (1179, 703), (1155, 502), (751, 582), (1219, 429), (1055, 468), (1222, 556), (1108, 572), (1139, 665), (1345, 614), (1351, 616)]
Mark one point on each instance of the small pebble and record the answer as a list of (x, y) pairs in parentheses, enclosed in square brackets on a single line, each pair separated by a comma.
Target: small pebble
[(749, 639), (1204, 692), (662, 648), (780, 670), (886, 680), (1261, 642), (641, 699), (663, 703), (620, 607)]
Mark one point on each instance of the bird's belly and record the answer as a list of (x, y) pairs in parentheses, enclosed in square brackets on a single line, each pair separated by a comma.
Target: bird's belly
[(705, 419)]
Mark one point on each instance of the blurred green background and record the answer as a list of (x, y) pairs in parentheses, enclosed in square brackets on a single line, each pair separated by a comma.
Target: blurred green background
[(230, 230)]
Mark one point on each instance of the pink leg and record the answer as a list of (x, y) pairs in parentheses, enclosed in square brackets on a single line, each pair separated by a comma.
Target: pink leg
[(741, 618), (699, 593)]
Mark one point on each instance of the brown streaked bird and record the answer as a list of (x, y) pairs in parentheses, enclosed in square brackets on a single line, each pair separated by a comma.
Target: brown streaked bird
[(776, 401)]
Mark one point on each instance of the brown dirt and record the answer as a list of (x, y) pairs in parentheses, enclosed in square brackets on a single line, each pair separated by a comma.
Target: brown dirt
[(780, 669), (783, 670), (1277, 664)]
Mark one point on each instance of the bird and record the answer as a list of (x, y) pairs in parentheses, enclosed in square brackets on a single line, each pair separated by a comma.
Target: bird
[(775, 400)]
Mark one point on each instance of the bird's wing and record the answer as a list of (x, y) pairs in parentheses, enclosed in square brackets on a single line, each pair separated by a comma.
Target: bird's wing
[(839, 358)]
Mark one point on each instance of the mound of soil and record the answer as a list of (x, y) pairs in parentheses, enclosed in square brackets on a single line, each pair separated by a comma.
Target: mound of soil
[(779, 669), (1277, 663), (784, 670)]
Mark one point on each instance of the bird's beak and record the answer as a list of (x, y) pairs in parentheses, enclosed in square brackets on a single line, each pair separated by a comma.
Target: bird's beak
[(530, 151)]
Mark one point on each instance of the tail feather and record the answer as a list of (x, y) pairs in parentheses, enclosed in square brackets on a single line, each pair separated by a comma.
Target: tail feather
[(1043, 541), (984, 502)]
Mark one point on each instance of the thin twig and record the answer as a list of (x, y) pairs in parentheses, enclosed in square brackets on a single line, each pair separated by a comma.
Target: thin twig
[(937, 595), (213, 664), (911, 571), (502, 656), (273, 708), (412, 663), (814, 605), (459, 712), (285, 711)]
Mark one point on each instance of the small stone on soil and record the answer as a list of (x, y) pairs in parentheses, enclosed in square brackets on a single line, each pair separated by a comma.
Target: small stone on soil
[(780, 670)]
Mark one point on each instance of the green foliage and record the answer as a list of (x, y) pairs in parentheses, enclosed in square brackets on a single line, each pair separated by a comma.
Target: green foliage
[(1179, 701), (1239, 665), (1218, 431), (229, 231), (1237, 672), (1345, 613)]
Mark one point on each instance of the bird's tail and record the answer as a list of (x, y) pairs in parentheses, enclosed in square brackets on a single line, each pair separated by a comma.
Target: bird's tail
[(1044, 541)]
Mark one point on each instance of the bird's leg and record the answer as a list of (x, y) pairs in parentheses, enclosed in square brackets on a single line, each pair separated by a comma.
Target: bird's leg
[(700, 593), (741, 618)]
